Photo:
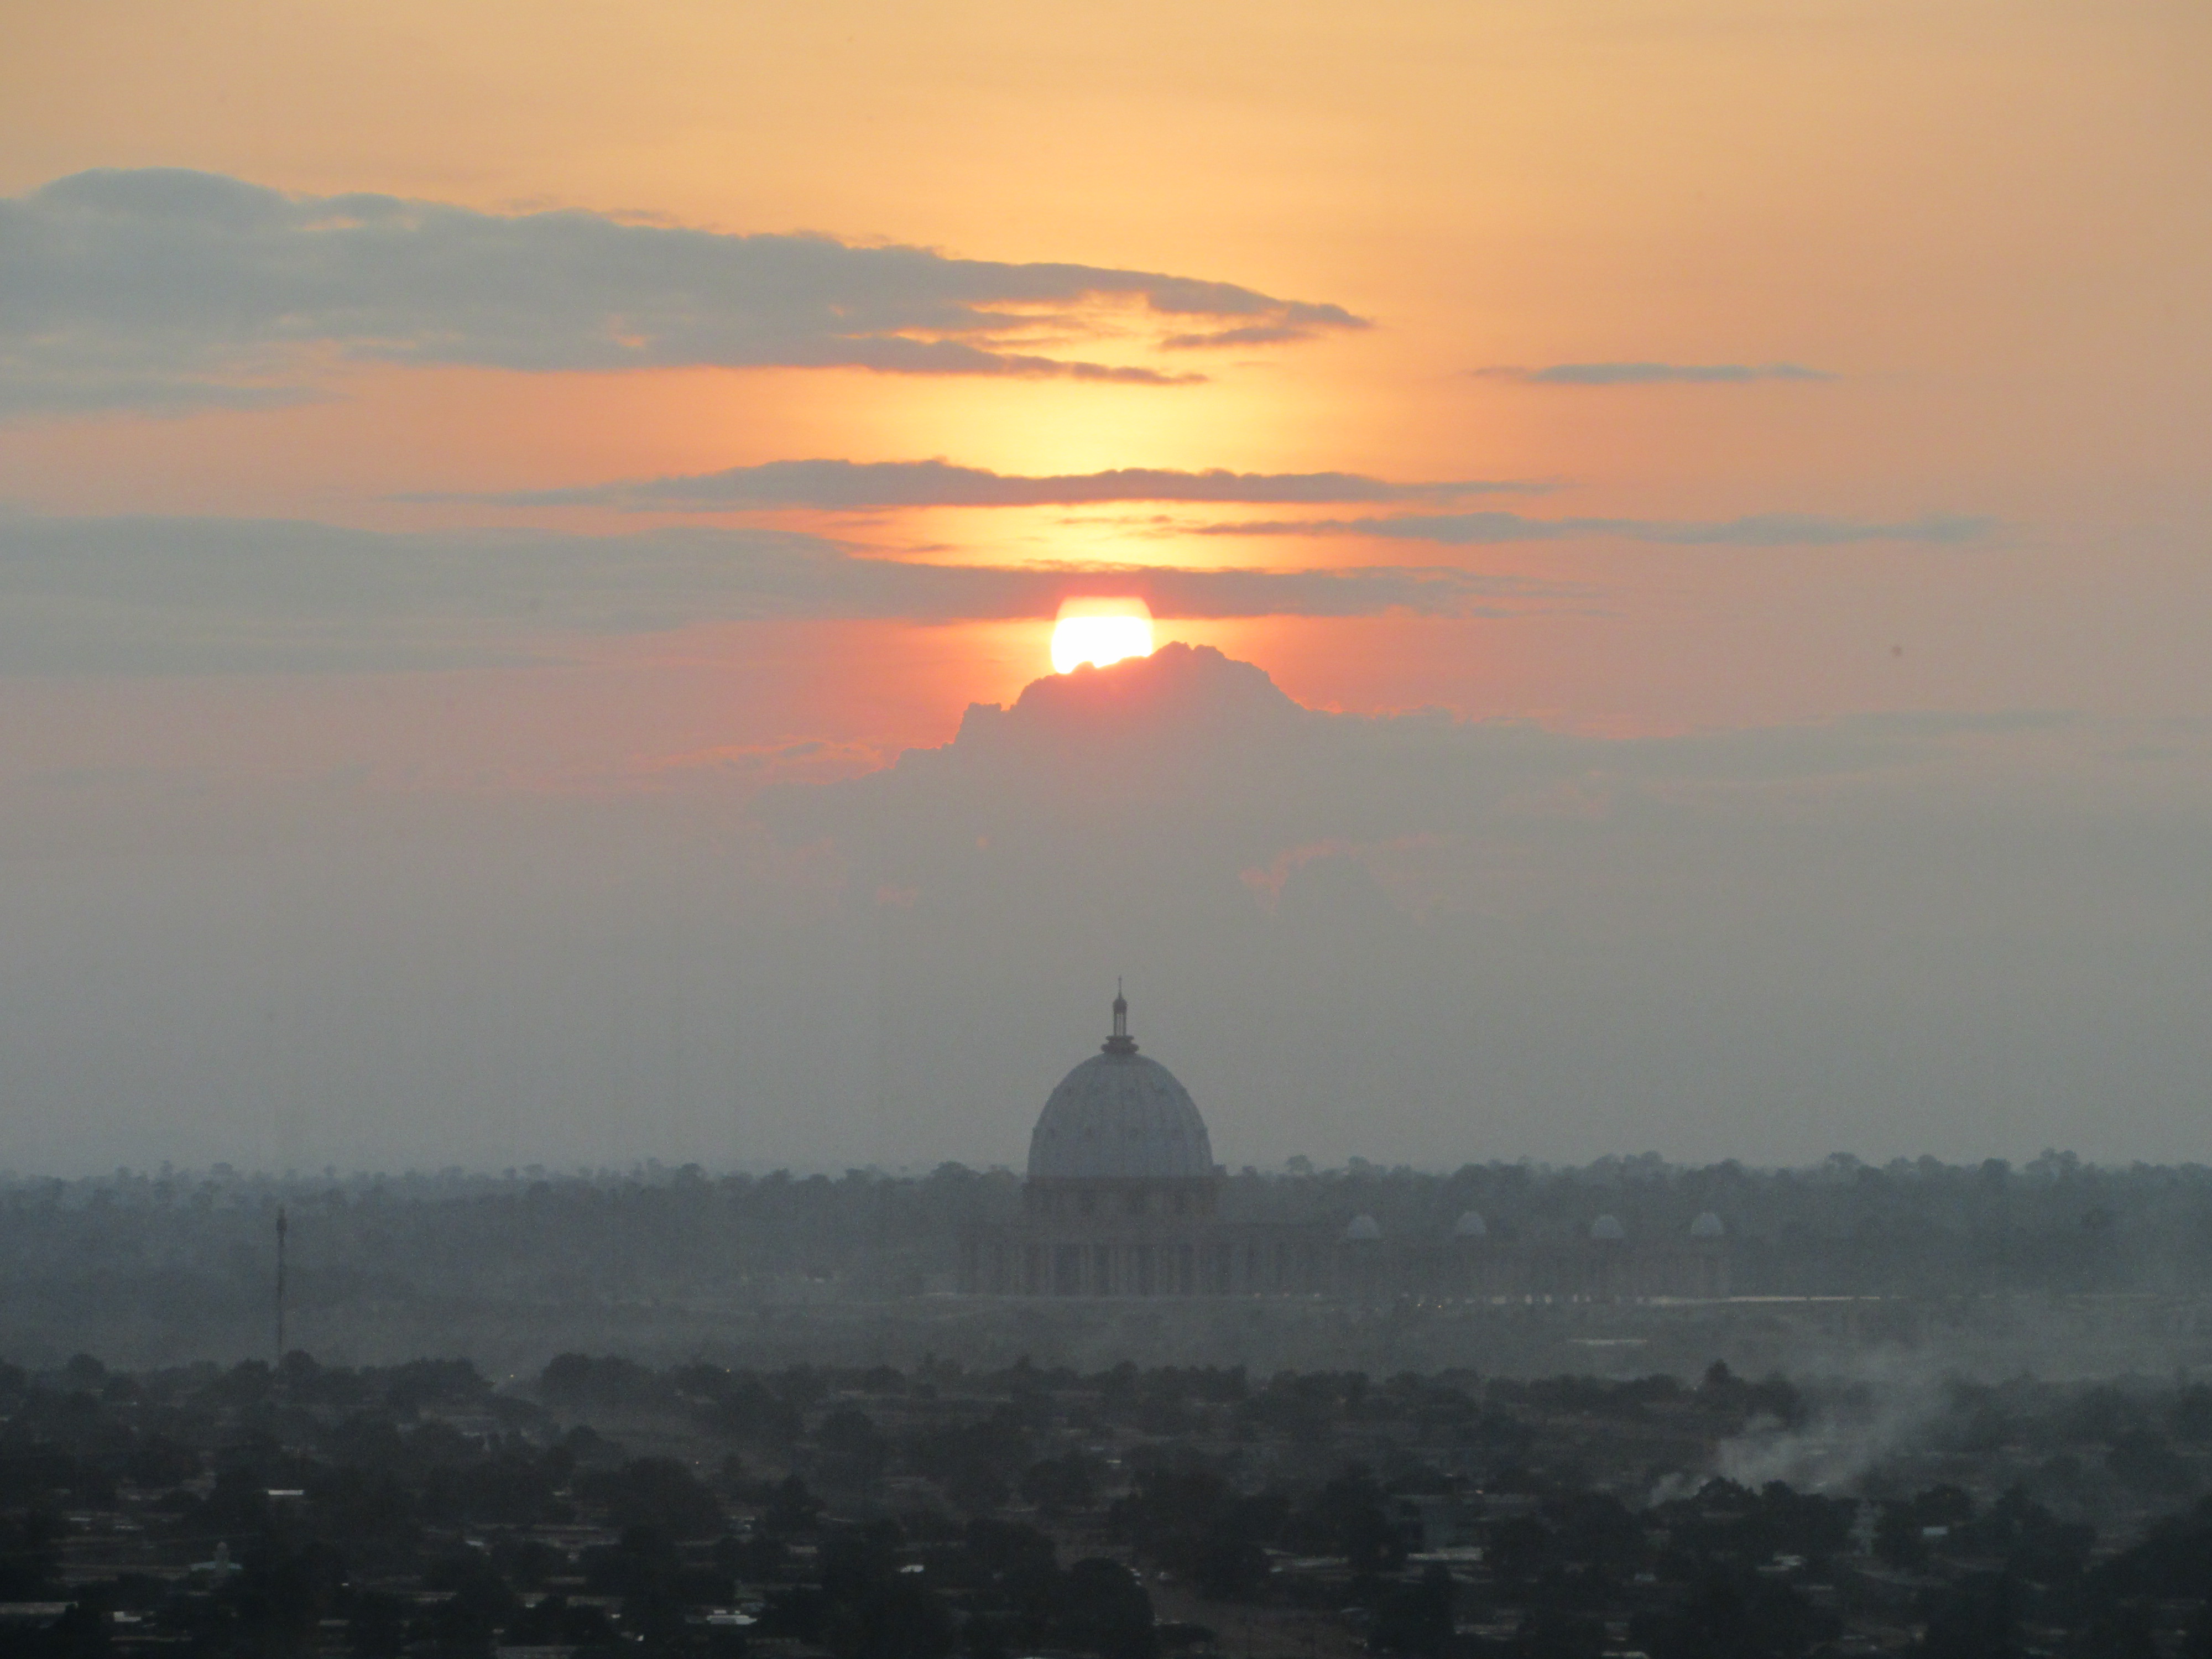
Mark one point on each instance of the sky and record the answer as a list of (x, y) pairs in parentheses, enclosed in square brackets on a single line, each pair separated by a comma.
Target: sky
[(529, 537)]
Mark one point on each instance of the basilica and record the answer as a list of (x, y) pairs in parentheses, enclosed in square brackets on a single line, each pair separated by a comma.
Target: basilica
[(1123, 1199)]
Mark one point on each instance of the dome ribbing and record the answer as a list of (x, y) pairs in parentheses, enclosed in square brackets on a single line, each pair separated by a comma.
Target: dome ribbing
[(1119, 1115)]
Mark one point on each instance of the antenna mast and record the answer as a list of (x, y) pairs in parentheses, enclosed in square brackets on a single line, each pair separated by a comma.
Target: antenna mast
[(280, 1287)]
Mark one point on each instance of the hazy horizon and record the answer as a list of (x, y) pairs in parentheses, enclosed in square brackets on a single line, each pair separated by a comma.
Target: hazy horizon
[(1413, 938)]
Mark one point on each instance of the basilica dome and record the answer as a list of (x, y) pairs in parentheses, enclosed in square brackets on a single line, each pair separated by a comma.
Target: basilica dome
[(1120, 1116)]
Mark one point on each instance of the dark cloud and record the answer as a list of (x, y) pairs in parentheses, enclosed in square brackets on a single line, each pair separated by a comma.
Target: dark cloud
[(838, 483), (1219, 738), (1756, 530), (164, 288), (1657, 373), (1256, 334), (141, 595)]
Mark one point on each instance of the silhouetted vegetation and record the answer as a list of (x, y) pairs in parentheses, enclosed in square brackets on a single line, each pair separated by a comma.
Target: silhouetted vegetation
[(937, 1512), (178, 1254)]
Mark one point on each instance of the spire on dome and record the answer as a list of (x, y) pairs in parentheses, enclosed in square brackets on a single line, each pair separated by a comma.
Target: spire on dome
[(1121, 1042)]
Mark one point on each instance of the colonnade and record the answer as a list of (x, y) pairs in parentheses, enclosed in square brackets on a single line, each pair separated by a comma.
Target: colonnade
[(1214, 1261)]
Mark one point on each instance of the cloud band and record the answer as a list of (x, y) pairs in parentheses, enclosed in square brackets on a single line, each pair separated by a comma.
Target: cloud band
[(1649, 373), (837, 484), (167, 288), (148, 595), (1755, 529)]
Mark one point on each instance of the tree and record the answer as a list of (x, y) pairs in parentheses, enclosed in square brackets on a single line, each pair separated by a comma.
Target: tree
[(1417, 1618), (653, 1491), (1976, 1618), (1733, 1614), (1056, 1485), (1105, 1611), (793, 1509)]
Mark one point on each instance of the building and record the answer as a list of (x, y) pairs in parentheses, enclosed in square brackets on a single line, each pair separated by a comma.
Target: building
[(1123, 1198)]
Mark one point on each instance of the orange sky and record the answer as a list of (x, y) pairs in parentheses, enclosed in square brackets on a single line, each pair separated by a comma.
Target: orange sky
[(1965, 214), (1901, 264), (1971, 214)]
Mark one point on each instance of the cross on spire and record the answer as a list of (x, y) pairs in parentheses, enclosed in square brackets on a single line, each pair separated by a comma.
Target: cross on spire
[(1121, 1042)]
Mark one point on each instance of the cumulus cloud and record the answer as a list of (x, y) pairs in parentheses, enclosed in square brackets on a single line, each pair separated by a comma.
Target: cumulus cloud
[(1191, 726), (833, 484), (164, 287), (1656, 374), (1754, 530), (185, 595)]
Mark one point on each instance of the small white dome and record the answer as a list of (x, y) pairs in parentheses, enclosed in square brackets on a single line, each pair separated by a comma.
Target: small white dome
[(1471, 1226), (1708, 1226), (1363, 1229), (1607, 1227)]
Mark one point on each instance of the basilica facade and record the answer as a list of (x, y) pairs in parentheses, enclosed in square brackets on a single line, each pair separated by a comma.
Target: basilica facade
[(1123, 1199)]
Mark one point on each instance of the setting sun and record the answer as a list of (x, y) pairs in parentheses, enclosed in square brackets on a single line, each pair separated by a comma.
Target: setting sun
[(1100, 631)]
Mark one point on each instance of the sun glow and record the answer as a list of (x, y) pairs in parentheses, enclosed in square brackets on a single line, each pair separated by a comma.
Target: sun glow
[(1100, 631)]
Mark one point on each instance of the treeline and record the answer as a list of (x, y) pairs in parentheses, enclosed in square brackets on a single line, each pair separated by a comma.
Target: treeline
[(939, 1512), (204, 1239)]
